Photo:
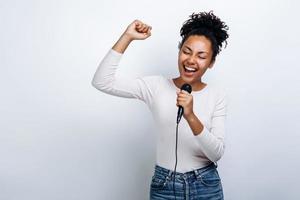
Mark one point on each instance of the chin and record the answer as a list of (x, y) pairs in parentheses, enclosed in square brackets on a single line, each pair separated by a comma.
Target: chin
[(188, 80)]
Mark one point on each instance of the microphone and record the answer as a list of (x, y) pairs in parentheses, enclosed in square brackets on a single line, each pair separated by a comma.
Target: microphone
[(188, 88)]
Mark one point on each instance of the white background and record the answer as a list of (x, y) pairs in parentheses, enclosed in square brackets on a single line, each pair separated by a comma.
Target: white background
[(63, 139)]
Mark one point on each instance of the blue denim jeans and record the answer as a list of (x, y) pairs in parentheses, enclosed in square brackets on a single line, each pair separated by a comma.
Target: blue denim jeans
[(200, 184)]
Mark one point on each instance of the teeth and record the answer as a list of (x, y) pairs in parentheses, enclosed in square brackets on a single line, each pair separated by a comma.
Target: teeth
[(190, 69)]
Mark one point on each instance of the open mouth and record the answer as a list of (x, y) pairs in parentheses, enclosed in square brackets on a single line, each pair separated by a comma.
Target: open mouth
[(189, 69)]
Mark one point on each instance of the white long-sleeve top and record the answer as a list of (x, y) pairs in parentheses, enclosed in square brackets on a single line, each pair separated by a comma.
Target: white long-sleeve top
[(159, 94)]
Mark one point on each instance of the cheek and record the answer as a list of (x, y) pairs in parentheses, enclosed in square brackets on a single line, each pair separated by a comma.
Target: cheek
[(181, 60), (203, 64), (182, 57)]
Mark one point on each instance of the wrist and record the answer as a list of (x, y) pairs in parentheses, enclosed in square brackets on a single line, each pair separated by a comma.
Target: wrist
[(195, 124), (126, 37), (190, 117), (122, 44)]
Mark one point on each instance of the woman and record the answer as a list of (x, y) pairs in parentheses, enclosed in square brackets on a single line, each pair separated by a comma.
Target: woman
[(201, 133)]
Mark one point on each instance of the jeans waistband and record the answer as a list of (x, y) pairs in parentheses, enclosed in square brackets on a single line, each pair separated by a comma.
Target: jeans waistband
[(169, 173)]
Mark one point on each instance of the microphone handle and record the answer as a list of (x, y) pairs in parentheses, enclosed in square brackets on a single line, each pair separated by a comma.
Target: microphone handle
[(179, 114)]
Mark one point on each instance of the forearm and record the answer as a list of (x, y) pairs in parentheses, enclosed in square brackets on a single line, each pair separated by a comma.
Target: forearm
[(122, 44), (211, 146), (195, 124), (105, 76)]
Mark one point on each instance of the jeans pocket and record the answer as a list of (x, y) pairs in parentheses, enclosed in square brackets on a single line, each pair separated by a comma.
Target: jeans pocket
[(158, 182), (210, 178)]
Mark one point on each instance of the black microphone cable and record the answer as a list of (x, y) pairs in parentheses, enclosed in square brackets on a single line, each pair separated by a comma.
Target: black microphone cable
[(176, 144), (187, 88)]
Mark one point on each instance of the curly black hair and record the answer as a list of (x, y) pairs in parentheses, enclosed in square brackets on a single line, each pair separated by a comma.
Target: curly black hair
[(208, 25)]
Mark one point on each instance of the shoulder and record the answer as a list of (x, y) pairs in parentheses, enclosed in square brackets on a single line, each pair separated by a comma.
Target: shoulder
[(151, 82), (218, 91), (154, 80)]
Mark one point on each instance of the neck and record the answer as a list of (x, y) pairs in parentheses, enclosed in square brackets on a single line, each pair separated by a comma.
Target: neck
[(197, 85)]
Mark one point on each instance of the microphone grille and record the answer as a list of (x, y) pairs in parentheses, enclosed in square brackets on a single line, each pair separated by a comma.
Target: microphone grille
[(187, 87)]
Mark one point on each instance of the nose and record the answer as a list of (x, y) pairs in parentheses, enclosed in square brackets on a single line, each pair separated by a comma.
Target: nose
[(191, 59)]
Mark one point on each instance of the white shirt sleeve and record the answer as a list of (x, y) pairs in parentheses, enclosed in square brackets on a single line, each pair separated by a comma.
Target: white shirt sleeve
[(211, 141), (105, 80)]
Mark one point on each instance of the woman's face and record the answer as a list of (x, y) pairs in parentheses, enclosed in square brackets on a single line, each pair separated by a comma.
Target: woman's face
[(194, 58)]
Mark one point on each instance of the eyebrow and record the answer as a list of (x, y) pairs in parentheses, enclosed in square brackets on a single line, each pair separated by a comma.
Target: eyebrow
[(200, 52)]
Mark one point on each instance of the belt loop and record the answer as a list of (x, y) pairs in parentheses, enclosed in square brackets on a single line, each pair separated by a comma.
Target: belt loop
[(196, 172), (169, 177), (216, 164)]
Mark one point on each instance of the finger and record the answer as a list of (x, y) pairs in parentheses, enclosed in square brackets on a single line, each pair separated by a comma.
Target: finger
[(182, 100), (142, 25), (185, 92), (183, 95), (139, 28), (180, 104), (145, 28), (137, 23), (148, 32)]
